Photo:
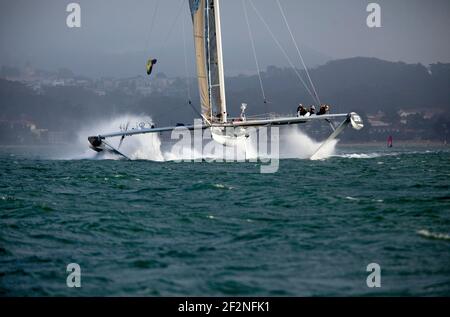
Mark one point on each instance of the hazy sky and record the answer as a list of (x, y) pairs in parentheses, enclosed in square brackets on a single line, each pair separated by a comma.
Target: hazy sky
[(115, 37)]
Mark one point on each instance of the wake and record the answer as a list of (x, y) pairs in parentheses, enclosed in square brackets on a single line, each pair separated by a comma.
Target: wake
[(381, 153)]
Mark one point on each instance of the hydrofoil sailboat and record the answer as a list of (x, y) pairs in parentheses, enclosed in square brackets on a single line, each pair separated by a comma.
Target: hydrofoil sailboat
[(211, 83)]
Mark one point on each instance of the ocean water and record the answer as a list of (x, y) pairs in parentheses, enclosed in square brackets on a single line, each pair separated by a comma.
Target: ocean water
[(151, 228)]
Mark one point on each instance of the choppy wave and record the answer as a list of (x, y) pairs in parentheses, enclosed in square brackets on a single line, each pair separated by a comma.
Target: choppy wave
[(433, 235), (208, 229)]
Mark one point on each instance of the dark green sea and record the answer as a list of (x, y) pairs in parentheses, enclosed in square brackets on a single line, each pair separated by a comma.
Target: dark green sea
[(163, 228)]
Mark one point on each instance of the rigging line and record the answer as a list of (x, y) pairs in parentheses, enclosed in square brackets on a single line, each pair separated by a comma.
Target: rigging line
[(282, 50), (254, 50), (166, 39), (152, 23), (183, 106), (298, 50)]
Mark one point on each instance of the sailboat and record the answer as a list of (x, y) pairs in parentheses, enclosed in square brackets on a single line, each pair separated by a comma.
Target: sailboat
[(390, 141), (211, 84)]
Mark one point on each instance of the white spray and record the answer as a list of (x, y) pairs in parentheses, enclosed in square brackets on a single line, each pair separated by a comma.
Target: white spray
[(294, 144), (141, 147)]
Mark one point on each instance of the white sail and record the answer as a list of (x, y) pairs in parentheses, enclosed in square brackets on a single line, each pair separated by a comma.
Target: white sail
[(208, 52)]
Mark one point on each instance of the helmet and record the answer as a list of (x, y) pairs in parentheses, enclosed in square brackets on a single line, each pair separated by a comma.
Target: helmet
[(313, 107)]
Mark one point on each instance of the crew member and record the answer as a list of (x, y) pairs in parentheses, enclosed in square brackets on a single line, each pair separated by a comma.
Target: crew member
[(324, 109), (301, 111)]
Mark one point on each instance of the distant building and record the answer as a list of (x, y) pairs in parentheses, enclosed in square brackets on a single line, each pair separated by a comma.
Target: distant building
[(376, 120)]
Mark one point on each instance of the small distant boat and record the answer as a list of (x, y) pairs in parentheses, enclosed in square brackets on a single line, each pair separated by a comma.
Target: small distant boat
[(389, 142)]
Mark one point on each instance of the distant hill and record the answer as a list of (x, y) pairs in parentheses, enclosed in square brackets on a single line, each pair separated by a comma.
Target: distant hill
[(366, 85), (362, 84)]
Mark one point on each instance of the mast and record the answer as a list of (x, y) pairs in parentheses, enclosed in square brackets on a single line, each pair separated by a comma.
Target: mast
[(220, 61), (208, 55)]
